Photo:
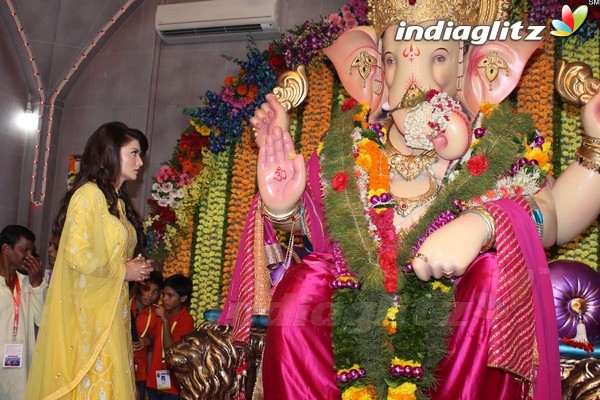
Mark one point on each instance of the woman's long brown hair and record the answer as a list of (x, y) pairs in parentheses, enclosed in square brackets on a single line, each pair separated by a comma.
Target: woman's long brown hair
[(101, 164)]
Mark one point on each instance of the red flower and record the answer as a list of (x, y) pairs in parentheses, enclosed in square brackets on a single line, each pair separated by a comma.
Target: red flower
[(477, 165), (276, 60), (430, 95), (518, 190), (348, 104), (339, 182), (387, 261)]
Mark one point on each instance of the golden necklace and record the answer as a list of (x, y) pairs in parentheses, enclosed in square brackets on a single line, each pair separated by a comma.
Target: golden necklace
[(406, 205), (408, 167)]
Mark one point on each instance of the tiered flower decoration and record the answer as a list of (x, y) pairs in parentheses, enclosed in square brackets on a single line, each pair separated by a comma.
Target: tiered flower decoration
[(187, 232)]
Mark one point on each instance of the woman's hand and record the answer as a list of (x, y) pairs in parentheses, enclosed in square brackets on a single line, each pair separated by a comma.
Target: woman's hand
[(271, 114), (450, 250), (281, 173), (137, 269)]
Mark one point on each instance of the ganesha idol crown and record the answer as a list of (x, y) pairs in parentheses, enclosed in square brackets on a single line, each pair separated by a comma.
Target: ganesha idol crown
[(383, 13)]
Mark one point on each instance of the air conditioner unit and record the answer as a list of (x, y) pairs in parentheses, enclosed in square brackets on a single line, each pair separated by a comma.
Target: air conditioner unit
[(218, 20)]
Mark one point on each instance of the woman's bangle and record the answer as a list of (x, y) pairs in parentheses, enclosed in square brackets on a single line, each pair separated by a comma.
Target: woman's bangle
[(281, 218), (490, 224), (588, 154)]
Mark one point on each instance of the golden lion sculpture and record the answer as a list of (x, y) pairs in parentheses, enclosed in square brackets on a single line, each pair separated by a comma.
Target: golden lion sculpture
[(207, 365), (581, 379)]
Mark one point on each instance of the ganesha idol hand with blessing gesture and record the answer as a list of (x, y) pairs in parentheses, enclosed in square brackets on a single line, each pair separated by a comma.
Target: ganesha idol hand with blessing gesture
[(281, 171)]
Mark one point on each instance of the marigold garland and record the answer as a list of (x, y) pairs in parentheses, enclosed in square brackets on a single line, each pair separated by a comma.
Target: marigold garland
[(178, 240), (535, 91), (242, 188), (317, 112)]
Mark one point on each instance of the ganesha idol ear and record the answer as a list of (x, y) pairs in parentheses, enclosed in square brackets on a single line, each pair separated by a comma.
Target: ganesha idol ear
[(357, 62), (493, 71)]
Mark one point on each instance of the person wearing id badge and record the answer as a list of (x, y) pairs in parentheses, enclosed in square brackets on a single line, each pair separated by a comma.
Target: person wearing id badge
[(143, 309), (22, 290), (176, 322)]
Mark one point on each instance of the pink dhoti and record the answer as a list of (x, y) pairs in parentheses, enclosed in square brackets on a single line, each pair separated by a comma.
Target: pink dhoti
[(298, 357)]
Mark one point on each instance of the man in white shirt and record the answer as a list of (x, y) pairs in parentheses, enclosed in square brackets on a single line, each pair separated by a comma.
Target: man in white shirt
[(22, 288)]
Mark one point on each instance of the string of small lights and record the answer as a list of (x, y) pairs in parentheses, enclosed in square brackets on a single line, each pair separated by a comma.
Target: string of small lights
[(54, 95)]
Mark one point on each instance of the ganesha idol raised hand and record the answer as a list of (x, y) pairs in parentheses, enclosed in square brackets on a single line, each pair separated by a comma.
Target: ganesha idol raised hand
[(434, 94)]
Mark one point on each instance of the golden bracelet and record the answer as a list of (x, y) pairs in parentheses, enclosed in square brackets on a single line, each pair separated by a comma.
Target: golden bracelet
[(490, 224), (280, 218), (588, 154), (589, 141)]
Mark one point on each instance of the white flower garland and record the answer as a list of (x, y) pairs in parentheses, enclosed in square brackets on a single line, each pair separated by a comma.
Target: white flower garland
[(429, 119)]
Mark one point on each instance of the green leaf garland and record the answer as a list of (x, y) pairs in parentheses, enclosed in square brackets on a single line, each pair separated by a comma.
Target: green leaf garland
[(423, 311)]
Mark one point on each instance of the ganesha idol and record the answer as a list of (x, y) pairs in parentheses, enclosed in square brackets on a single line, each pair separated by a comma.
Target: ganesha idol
[(424, 223)]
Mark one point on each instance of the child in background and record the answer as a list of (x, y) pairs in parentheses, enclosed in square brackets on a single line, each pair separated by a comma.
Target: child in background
[(176, 321), (146, 295)]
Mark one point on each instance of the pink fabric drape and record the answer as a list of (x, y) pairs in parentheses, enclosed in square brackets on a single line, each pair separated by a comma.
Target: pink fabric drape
[(298, 356), (464, 374)]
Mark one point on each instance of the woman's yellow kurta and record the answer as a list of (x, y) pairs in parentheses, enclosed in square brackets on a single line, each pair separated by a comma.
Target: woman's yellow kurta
[(83, 350)]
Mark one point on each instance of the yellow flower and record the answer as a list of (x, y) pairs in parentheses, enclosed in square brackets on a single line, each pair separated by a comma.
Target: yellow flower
[(356, 393), (437, 285), (391, 313), (406, 391), (320, 147), (402, 362), (355, 366), (204, 130), (538, 155), (487, 108), (389, 326)]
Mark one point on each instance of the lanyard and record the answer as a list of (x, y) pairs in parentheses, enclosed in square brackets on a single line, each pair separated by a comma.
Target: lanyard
[(162, 335), (147, 322), (138, 312), (16, 302)]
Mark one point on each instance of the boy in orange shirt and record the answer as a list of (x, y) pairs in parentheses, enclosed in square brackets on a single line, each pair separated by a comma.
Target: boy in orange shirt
[(176, 321), (144, 313)]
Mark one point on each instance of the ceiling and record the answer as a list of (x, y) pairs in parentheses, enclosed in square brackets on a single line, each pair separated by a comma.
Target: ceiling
[(60, 33)]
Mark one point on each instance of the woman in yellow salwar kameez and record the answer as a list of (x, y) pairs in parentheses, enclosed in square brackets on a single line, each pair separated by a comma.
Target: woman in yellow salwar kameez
[(83, 350)]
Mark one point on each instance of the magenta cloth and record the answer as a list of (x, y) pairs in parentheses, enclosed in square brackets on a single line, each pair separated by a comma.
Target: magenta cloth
[(298, 356), (464, 373)]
